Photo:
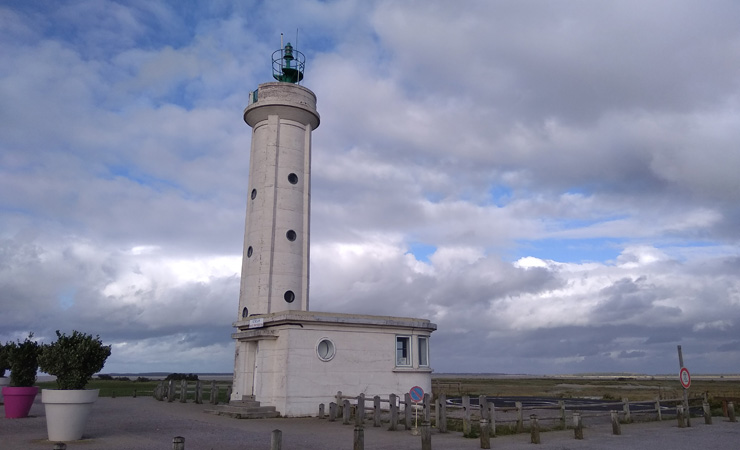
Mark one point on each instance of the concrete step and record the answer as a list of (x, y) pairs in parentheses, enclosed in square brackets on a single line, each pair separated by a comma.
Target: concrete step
[(246, 408)]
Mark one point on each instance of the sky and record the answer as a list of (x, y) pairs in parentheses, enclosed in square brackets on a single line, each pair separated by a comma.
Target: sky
[(553, 183)]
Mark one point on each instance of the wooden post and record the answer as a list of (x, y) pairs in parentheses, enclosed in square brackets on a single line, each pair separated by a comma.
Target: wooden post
[(731, 411), (616, 426), (707, 413), (408, 407), (332, 412), (577, 426), (359, 438), (626, 409), (183, 391), (339, 401), (519, 417), (467, 427), (483, 403), (228, 394), (198, 392), (178, 443), (393, 400), (680, 416), (345, 412), (442, 424), (485, 433), (376, 411), (360, 410), (492, 417), (134, 393), (321, 410), (562, 414), (426, 436), (276, 440), (171, 391), (658, 409), (426, 403), (685, 391), (534, 429), (214, 394)]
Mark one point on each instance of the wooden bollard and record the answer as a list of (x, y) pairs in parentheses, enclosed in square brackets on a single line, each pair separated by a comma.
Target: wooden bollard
[(407, 411), (338, 399), (345, 412), (680, 416), (626, 409), (707, 413), (492, 418), (276, 440), (534, 429), (321, 410), (332, 412), (359, 438), (467, 426), (426, 403), (731, 411), (426, 436), (228, 393), (482, 403), (442, 405), (577, 426), (519, 417), (360, 410), (171, 391), (392, 399), (178, 443), (60, 446), (376, 411), (485, 434), (616, 426), (134, 395), (658, 409), (198, 392)]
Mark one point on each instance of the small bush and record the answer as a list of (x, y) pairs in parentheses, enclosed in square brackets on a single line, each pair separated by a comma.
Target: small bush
[(182, 376)]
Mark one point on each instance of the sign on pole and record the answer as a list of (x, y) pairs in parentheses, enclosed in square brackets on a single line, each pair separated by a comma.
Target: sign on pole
[(417, 394), (685, 377)]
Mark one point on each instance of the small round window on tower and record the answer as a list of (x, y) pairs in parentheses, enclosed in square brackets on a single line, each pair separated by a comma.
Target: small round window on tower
[(290, 235), (325, 349), (293, 178), (289, 296), (254, 193), (249, 252)]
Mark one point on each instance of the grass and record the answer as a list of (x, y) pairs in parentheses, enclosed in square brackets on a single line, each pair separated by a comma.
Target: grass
[(124, 388)]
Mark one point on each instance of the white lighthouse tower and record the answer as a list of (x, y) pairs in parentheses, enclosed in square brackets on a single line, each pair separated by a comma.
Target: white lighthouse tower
[(288, 358)]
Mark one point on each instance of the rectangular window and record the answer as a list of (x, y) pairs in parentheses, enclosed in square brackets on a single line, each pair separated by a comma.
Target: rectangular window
[(423, 351), (403, 351)]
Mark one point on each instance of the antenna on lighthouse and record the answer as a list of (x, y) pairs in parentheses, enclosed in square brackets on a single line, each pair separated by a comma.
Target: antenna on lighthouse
[(288, 63)]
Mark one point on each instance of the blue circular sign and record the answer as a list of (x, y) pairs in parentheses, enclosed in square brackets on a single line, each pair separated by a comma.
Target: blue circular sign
[(416, 393)]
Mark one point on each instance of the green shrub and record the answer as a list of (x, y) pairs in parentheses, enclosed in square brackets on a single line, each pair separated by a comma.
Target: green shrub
[(4, 363), (23, 361), (74, 359)]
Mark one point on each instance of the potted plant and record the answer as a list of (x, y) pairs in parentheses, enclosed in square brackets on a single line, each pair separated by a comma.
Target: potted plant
[(22, 359), (73, 359), (4, 365)]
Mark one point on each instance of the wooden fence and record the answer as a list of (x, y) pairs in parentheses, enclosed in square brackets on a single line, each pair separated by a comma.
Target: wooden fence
[(172, 390)]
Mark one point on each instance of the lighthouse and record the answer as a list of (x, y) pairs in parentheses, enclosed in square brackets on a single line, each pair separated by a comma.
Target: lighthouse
[(288, 359), (275, 263)]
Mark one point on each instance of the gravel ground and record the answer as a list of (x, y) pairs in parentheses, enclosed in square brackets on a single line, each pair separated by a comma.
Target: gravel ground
[(144, 423)]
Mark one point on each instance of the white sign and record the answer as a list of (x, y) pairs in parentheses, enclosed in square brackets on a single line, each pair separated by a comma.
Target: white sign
[(685, 377), (256, 323)]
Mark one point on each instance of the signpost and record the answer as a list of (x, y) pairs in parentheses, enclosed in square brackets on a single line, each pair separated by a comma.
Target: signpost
[(417, 395), (685, 379)]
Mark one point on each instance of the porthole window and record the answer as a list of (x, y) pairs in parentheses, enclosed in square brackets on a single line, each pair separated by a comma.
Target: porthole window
[(289, 296), (254, 193), (249, 252), (290, 235), (325, 349), (245, 312), (293, 178)]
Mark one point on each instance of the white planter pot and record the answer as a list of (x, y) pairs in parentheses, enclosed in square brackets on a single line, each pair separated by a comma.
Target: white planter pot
[(67, 412), (4, 381)]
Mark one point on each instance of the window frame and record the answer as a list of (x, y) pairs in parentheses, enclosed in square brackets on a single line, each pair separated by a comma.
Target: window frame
[(408, 350), (423, 358)]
